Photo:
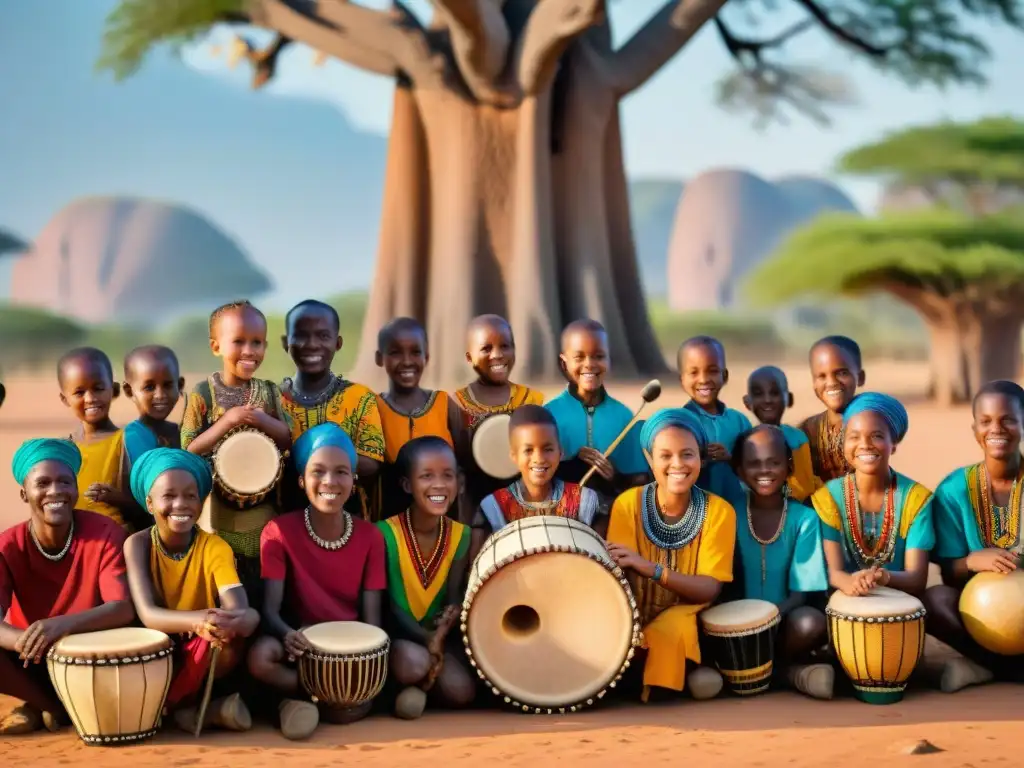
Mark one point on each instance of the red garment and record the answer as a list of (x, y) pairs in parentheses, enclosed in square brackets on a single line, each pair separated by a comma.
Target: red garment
[(90, 574), (568, 505), (192, 662), (322, 585)]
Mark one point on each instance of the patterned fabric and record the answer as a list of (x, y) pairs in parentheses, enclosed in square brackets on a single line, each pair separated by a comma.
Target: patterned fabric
[(826, 443), (211, 399), (670, 625), (962, 523), (417, 588), (351, 406), (505, 505), (399, 428), (475, 412)]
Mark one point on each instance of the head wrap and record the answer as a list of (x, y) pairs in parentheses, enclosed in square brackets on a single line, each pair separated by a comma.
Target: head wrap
[(323, 435), (889, 408), (41, 449), (152, 464), (672, 417)]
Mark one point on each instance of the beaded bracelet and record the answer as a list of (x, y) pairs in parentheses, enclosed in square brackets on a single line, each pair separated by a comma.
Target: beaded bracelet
[(658, 571)]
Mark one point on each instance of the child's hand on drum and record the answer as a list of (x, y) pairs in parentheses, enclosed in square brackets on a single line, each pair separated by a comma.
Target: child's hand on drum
[(295, 645), (226, 625), (597, 460), (860, 583), (993, 559), (37, 639), (627, 558)]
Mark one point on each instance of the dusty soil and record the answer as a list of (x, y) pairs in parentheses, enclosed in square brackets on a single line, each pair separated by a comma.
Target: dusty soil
[(972, 728)]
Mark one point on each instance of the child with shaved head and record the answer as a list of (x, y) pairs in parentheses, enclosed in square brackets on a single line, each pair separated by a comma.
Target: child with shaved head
[(153, 382)]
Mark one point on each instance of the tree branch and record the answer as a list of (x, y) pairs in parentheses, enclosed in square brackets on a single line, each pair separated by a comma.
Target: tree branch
[(838, 32), (658, 41), (377, 41), (263, 60), (480, 39), (549, 30)]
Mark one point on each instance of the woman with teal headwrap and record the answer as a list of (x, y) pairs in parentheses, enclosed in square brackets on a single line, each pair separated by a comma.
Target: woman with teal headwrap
[(978, 529), (298, 550), (65, 567), (877, 523), (183, 581), (676, 543)]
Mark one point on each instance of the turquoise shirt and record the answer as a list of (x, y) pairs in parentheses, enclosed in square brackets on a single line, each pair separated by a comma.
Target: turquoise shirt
[(795, 436), (914, 522), (138, 438), (718, 476), (957, 532), (596, 427), (795, 561)]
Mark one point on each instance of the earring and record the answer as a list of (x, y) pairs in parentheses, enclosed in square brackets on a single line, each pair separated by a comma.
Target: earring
[(355, 476), (785, 490)]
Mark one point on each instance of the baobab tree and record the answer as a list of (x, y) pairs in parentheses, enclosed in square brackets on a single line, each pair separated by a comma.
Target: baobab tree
[(505, 189)]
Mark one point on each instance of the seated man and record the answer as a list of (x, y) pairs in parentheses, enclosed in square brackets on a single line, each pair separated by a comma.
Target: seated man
[(61, 573)]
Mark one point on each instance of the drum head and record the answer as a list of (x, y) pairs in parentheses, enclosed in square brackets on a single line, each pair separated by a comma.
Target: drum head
[(551, 629), (344, 637), (247, 461), (491, 448), (881, 602), (112, 643), (738, 616)]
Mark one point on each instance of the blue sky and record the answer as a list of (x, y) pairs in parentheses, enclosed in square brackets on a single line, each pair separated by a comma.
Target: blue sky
[(297, 168)]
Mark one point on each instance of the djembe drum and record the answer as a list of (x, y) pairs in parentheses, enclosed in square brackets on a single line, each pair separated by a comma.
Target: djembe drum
[(247, 465), (741, 640), (492, 450), (346, 665), (879, 639), (113, 683), (549, 620), (992, 609)]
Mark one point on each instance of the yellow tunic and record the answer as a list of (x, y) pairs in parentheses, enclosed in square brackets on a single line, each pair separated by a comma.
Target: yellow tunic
[(474, 412), (802, 483), (195, 582), (399, 428), (670, 626), (102, 462)]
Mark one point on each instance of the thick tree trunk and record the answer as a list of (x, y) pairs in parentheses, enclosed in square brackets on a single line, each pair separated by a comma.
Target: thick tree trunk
[(949, 382), (478, 219), (992, 344)]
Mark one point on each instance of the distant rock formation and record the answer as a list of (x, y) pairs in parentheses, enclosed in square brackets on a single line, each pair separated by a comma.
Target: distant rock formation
[(134, 260), (727, 222)]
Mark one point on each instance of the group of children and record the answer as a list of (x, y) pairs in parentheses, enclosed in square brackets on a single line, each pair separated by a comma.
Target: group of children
[(383, 508)]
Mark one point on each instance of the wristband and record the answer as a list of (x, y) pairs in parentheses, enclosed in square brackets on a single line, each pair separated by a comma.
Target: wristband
[(658, 570)]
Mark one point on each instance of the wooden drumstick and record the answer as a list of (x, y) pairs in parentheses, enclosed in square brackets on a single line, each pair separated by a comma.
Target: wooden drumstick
[(650, 393), (207, 692)]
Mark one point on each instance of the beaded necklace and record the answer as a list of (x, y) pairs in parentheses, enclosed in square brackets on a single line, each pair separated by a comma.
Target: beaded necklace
[(67, 544), (675, 535), (426, 569), (765, 543), (338, 543), (175, 556), (1000, 526), (877, 546), (316, 402), (557, 489)]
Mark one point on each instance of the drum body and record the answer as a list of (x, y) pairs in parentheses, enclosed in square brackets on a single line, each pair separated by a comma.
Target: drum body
[(492, 449), (992, 609), (878, 639), (347, 665), (741, 639), (247, 465), (549, 620), (113, 683)]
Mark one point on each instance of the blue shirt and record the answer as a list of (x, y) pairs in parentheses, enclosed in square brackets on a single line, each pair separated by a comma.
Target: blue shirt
[(718, 476), (581, 426)]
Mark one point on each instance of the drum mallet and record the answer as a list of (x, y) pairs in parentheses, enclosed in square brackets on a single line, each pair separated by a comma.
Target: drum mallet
[(650, 393), (207, 692)]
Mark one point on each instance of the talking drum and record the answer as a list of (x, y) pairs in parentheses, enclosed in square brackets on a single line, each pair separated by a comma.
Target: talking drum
[(492, 450), (879, 639), (992, 609), (346, 665), (246, 466), (741, 640), (549, 620), (113, 683)]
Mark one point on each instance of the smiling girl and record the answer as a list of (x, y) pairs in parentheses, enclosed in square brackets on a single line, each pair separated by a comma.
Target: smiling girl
[(978, 529), (427, 555), (184, 583), (676, 543), (878, 528), (319, 564)]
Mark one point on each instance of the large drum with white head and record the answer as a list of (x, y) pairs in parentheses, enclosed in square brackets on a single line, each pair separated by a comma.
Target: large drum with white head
[(113, 683), (492, 448), (247, 466), (879, 639), (549, 620)]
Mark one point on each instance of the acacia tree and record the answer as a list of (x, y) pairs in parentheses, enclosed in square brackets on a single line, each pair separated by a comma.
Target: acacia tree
[(963, 274), (505, 189)]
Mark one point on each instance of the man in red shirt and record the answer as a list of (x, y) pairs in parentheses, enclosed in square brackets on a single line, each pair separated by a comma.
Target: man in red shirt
[(61, 573), (319, 564)]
